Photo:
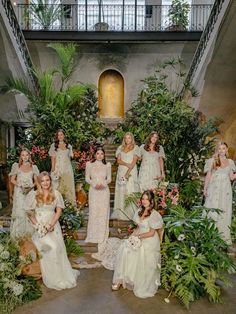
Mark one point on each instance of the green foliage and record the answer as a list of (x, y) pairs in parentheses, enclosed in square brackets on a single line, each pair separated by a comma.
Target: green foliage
[(183, 131), (15, 289), (179, 14), (194, 256), (72, 247), (190, 193)]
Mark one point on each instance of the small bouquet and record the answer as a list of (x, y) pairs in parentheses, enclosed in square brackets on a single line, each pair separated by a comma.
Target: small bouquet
[(122, 181), (41, 229), (26, 186), (134, 242), (55, 176)]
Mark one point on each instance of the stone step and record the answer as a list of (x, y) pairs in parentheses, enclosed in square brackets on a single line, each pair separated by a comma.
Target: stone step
[(113, 232), (88, 247)]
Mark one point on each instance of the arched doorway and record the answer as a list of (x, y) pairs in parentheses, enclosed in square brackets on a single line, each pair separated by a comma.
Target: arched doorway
[(111, 95)]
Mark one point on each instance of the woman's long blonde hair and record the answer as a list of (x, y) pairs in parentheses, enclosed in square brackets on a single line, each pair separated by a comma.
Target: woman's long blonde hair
[(20, 159), (123, 141), (39, 194), (217, 163)]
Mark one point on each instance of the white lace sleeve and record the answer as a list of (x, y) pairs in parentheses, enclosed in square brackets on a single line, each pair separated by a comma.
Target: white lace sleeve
[(118, 151), (59, 200), (88, 178), (108, 177), (14, 169), (137, 151), (52, 151), (232, 165), (208, 165), (161, 152), (35, 170), (70, 151), (155, 220)]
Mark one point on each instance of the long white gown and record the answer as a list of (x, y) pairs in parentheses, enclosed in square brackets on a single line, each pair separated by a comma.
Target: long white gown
[(63, 168), (139, 270), (131, 185), (56, 269), (149, 168), (99, 201), (220, 196), (20, 224)]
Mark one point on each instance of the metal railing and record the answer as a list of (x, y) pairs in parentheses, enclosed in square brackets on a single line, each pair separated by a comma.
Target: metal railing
[(216, 9), (19, 37), (126, 18)]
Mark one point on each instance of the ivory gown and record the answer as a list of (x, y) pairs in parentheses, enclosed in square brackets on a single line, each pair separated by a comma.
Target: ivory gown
[(220, 196)]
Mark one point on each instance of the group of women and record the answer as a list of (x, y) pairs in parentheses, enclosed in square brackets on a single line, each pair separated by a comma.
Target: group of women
[(136, 260)]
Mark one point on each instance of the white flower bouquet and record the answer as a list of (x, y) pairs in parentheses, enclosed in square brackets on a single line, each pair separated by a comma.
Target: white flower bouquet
[(41, 229), (55, 176), (134, 242), (121, 181)]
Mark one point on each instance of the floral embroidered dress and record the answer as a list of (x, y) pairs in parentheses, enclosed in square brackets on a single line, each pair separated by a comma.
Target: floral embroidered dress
[(99, 201), (20, 224), (150, 168), (139, 269), (63, 169), (124, 188), (220, 196), (56, 269)]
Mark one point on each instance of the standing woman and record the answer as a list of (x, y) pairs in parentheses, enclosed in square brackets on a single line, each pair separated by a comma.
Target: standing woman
[(98, 175), (23, 176), (217, 189), (127, 155), (47, 204), (61, 153), (152, 166)]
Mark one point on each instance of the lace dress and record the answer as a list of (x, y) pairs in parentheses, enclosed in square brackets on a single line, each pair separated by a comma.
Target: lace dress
[(123, 189), (220, 196), (20, 224), (149, 168), (56, 269), (99, 201), (139, 269), (63, 168)]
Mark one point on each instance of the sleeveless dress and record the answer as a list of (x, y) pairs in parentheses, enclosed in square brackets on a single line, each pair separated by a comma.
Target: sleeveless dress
[(139, 270), (126, 188), (220, 196), (63, 168), (20, 224), (149, 168), (56, 269)]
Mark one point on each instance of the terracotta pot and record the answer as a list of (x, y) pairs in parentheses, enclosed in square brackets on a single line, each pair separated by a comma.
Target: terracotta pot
[(81, 195)]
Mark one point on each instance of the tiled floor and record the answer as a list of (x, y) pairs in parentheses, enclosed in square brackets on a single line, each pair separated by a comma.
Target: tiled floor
[(93, 295)]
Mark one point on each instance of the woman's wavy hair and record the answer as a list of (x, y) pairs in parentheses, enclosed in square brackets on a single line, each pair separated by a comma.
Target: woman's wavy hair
[(151, 199), (216, 162), (148, 142), (123, 141), (39, 193), (99, 148), (20, 159), (56, 140)]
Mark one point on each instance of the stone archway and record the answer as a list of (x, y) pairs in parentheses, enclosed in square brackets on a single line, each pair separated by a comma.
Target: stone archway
[(111, 95)]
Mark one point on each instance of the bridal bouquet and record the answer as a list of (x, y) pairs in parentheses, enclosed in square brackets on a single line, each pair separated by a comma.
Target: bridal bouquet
[(26, 186), (122, 181), (55, 176), (134, 242), (41, 229)]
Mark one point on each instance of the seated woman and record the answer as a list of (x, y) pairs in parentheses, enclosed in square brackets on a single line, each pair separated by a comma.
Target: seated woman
[(56, 269), (138, 267)]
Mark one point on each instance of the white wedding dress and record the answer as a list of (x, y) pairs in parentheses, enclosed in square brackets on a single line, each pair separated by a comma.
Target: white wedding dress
[(20, 224), (220, 196), (130, 186), (63, 168), (56, 269)]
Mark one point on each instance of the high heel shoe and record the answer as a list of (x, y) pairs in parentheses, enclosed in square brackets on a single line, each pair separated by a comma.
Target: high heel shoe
[(115, 286)]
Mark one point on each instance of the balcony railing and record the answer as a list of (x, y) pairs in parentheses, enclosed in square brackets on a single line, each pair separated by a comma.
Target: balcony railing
[(120, 18)]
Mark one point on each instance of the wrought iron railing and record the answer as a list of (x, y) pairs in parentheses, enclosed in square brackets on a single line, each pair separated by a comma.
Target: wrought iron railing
[(76, 17), (216, 9), (19, 37)]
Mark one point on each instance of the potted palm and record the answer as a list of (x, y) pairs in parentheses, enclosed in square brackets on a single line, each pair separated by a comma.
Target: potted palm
[(178, 15)]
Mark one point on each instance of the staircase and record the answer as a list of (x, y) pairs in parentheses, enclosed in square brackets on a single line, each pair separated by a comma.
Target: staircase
[(117, 228)]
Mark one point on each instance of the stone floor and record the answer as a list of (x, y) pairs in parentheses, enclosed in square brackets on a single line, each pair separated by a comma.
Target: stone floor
[(93, 295)]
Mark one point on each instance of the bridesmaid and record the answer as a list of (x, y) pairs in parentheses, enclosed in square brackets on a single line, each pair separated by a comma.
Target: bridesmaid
[(23, 176), (127, 178), (61, 153), (48, 204), (98, 175), (217, 189), (139, 269), (152, 166)]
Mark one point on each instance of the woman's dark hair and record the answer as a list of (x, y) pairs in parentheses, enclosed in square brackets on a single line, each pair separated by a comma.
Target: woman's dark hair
[(56, 140), (95, 152), (148, 142), (151, 199)]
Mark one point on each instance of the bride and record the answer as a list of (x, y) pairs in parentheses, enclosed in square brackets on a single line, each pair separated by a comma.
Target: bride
[(57, 272)]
